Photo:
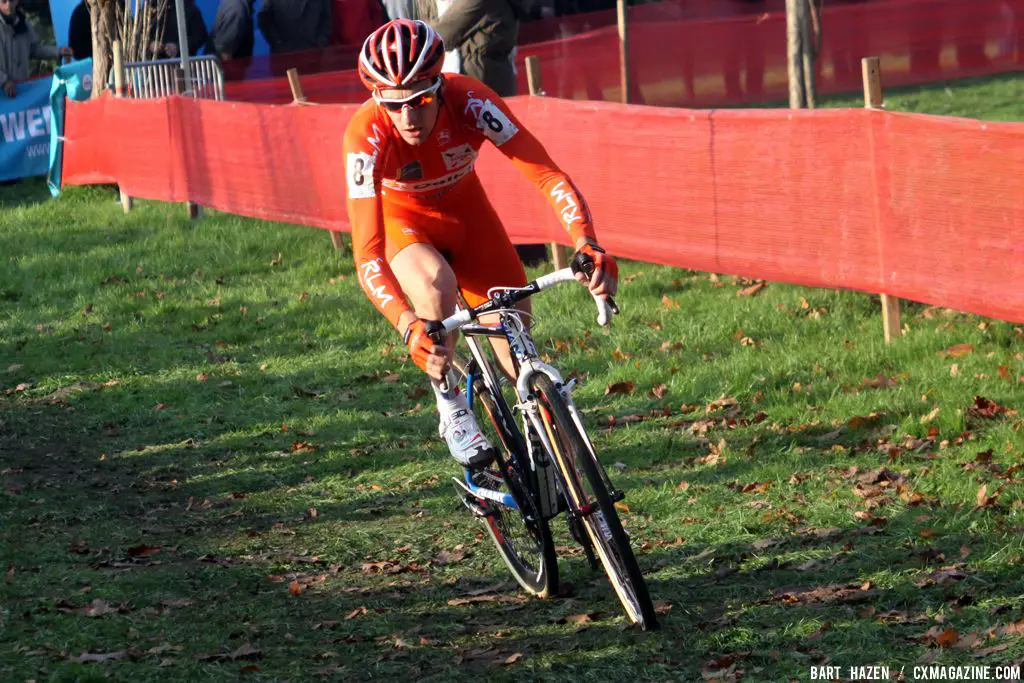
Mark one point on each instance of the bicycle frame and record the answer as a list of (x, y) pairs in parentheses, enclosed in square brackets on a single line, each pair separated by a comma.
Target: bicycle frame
[(527, 363)]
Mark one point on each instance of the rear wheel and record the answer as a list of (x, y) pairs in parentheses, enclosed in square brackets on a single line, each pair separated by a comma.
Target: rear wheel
[(522, 536), (589, 497)]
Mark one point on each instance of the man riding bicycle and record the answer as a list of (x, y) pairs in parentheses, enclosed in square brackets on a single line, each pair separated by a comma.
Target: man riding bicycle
[(423, 230)]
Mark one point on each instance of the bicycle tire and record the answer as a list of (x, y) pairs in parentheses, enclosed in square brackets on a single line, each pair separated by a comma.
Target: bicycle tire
[(572, 454), (538, 572)]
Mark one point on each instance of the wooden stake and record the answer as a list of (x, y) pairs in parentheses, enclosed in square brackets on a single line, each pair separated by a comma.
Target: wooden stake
[(622, 9), (126, 200), (293, 81), (871, 72), (559, 255)]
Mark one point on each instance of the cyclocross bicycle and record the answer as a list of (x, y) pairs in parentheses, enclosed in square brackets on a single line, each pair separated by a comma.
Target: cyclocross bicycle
[(550, 466)]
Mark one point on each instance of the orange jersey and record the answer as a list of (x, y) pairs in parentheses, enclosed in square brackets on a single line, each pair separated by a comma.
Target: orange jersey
[(438, 175)]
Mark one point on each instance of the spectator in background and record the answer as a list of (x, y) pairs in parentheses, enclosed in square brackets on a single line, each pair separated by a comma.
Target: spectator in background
[(19, 42), (291, 25), (80, 31), (234, 31), (485, 34), (165, 40), (400, 9), (355, 19)]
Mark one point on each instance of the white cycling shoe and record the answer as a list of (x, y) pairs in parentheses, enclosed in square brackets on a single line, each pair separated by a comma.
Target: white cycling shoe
[(459, 429)]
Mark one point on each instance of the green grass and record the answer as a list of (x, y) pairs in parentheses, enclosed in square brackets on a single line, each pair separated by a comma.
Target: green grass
[(197, 421)]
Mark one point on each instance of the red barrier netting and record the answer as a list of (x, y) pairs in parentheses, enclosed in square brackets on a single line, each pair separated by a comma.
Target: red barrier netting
[(924, 208), (727, 60), (703, 63)]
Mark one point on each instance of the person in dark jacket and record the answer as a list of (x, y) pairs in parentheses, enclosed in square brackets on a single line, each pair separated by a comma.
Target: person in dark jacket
[(80, 31), (165, 40), (19, 42), (485, 33), (234, 31), (291, 25)]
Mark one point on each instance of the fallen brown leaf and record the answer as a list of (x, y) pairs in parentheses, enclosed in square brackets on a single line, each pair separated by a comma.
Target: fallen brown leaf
[(947, 638), (879, 381), (143, 550), (296, 588), (751, 290), (957, 350), (457, 554), (184, 602), (719, 403), (246, 651), (357, 612), (100, 657), (658, 391), (985, 408), (619, 388), (986, 501)]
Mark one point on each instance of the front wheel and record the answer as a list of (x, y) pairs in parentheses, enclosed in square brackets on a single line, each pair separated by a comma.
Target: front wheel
[(589, 497)]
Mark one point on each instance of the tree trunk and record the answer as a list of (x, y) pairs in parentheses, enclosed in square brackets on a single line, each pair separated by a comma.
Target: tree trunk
[(104, 32), (796, 20)]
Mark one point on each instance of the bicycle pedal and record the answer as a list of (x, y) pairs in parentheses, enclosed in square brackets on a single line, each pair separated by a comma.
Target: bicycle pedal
[(478, 507), (486, 478)]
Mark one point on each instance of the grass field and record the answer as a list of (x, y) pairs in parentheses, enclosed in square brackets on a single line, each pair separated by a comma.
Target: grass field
[(217, 464)]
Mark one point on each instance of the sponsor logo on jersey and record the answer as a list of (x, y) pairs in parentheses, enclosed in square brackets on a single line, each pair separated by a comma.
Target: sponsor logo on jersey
[(369, 272), (444, 137), (378, 135), (413, 171), (565, 195), (443, 181), (456, 157)]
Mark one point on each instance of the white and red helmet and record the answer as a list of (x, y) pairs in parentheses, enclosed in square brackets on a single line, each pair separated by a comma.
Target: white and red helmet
[(400, 52)]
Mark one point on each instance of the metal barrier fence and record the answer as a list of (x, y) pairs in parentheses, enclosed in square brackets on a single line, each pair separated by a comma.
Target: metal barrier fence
[(164, 77)]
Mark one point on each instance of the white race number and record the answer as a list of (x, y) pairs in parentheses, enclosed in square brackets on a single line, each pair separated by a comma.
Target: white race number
[(359, 175)]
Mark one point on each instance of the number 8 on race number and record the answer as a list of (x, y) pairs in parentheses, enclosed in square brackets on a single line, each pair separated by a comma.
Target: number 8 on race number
[(359, 175)]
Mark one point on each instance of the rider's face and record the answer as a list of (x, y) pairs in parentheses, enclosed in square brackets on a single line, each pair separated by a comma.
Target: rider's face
[(414, 124)]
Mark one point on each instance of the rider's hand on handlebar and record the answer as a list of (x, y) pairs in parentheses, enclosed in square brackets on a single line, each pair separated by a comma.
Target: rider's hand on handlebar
[(431, 357), (605, 278)]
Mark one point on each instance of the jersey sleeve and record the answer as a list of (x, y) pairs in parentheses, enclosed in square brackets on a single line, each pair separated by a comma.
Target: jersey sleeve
[(362, 148), (494, 120)]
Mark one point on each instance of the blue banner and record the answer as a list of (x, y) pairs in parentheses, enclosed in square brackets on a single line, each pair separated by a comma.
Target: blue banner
[(25, 131), (70, 82)]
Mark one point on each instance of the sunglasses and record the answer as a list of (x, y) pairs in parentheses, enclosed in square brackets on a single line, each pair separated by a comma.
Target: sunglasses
[(414, 101)]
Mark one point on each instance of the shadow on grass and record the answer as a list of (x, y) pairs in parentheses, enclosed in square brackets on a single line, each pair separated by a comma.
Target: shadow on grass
[(23, 192)]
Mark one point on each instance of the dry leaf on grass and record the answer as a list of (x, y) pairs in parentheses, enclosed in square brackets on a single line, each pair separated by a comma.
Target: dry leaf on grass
[(957, 350), (751, 290), (100, 657), (619, 388)]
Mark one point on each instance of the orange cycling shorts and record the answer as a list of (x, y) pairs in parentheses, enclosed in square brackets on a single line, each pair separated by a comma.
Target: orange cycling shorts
[(466, 230)]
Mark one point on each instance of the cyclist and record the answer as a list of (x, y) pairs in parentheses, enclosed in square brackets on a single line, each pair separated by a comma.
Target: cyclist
[(422, 227)]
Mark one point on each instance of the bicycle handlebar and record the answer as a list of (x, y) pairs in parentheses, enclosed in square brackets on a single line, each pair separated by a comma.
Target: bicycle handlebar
[(508, 298)]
